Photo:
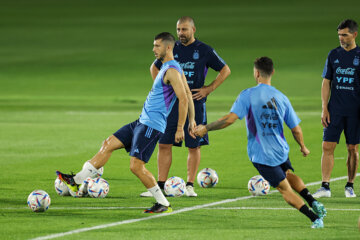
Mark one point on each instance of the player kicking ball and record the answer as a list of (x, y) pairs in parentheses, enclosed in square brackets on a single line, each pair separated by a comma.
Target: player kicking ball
[(266, 109), (141, 136)]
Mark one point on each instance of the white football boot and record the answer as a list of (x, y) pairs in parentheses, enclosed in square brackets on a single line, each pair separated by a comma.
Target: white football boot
[(190, 191)]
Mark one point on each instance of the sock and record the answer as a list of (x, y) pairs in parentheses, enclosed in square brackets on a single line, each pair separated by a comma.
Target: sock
[(326, 185), (158, 195), (307, 212), (87, 171), (348, 184), (161, 184), (190, 184), (307, 196)]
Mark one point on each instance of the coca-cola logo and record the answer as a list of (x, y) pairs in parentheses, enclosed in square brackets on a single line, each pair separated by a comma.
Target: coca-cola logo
[(188, 65), (345, 71)]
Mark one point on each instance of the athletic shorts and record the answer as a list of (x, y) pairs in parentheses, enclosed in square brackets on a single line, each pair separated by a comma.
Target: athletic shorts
[(274, 175), (138, 139), (171, 127), (349, 124)]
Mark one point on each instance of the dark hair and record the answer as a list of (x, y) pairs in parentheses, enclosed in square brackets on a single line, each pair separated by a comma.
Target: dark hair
[(165, 36), (348, 23), (265, 66)]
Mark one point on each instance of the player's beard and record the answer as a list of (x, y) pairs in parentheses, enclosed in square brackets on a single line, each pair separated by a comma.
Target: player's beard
[(184, 40), (162, 56)]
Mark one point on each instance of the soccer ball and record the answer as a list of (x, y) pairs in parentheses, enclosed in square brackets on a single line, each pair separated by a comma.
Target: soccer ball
[(175, 187), (82, 192), (258, 186), (207, 178), (97, 187), (38, 201), (61, 188)]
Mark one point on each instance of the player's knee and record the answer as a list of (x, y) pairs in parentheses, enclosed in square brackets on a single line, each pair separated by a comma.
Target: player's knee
[(165, 147), (328, 147), (352, 149), (135, 167)]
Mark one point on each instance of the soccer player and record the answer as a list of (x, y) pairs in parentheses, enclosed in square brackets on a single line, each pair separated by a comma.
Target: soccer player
[(141, 136), (341, 112), (195, 58), (266, 109)]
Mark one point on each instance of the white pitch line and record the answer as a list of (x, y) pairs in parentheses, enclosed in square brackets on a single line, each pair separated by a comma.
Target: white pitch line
[(265, 208), (80, 230)]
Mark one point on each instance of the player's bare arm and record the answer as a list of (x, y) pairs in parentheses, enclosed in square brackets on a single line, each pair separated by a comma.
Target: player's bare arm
[(173, 77), (298, 136), (200, 93), (221, 123), (191, 108), (325, 94), (154, 71)]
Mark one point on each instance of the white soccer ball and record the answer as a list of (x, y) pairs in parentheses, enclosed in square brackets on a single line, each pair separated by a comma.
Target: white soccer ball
[(61, 188), (39, 201), (175, 187), (207, 178), (258, 186), (97, 187)]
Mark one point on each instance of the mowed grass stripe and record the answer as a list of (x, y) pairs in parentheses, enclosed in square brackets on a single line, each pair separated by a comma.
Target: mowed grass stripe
[(203, 206)]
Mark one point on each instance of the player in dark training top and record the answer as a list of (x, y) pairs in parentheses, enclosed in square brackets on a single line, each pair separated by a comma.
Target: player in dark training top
[(195, 58), (341, 112)]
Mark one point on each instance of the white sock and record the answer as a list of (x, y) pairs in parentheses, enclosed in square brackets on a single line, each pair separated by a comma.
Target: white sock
[(158, 195), (88, 170)]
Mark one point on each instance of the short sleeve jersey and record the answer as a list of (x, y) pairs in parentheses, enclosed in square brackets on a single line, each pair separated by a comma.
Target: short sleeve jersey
[(266, 109), (342, 68), (160, 100), (195, 60)]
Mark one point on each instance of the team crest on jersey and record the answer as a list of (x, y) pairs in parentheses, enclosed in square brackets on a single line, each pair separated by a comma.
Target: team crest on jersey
[(196, 55), (356, 61)]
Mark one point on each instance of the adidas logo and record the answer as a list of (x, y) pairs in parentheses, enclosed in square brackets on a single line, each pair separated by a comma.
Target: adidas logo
[(136, 150), (336, 61), (176, 56)]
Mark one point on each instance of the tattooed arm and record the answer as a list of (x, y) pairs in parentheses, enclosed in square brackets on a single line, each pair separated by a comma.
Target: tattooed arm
[(223, 122)]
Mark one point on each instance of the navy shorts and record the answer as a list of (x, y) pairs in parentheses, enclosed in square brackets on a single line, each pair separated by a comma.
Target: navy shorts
[(274, 175), (171, 127), (349, 124), (138, 139)]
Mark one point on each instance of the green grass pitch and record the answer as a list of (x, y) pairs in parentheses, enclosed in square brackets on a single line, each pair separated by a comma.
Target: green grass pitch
[(73, 72)]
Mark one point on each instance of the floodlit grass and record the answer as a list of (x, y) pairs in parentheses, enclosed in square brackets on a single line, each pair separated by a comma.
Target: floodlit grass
[(73, 72)]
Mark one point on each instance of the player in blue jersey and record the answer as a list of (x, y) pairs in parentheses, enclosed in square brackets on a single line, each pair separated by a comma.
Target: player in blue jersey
[(195, 58), (341, 113), (141, 136), (266, 109)]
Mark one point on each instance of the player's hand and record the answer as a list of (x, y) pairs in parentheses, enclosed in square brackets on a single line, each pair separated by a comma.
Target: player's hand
[(179, 135), (200, 130), (191, 129), (200, 93), (325, 118), (304, 151)]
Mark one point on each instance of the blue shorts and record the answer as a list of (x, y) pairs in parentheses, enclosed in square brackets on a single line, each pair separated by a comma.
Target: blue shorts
[(138, 139), (274, 175), (349, 124), (171, 127)]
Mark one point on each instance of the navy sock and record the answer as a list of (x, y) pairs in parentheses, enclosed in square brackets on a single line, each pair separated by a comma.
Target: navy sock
[(307, 196), (326, 185), (161, 184), (307, 212), (349, 185), (190, 184)]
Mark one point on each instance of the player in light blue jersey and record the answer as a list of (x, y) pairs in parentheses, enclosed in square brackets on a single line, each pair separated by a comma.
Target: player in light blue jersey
[(141, 136), (266, 109)]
